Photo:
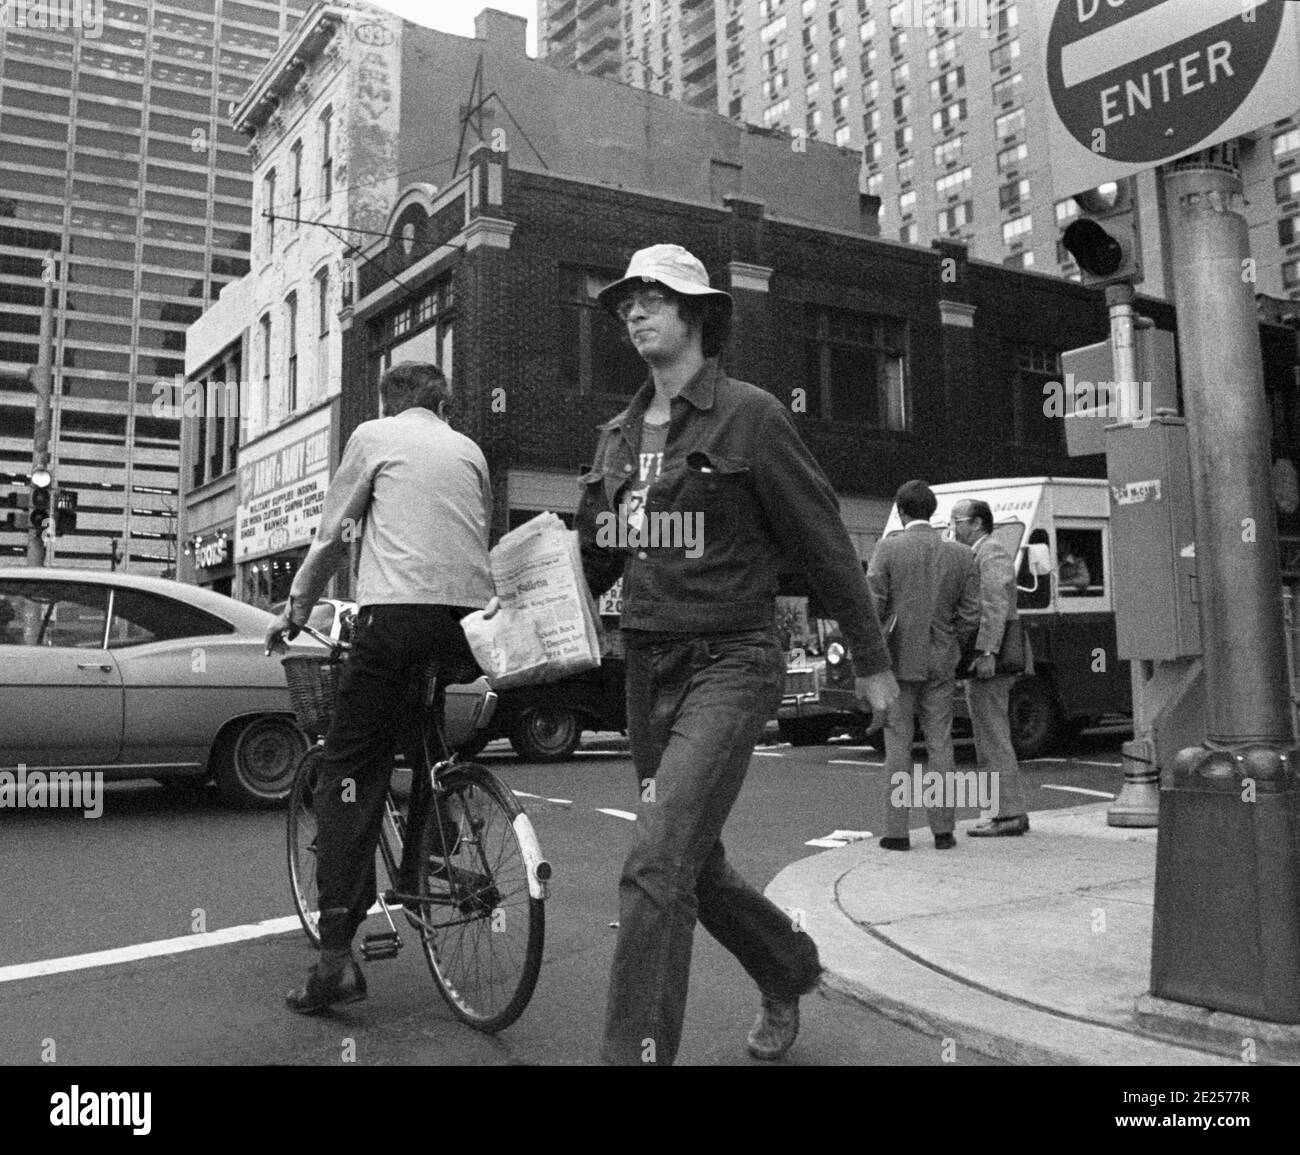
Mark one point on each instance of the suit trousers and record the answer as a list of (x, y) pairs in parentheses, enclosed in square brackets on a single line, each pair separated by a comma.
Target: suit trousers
[(989, 702), (696, 705), (933, 700)]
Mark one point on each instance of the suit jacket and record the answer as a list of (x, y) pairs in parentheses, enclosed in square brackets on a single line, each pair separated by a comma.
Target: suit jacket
[(931, 587), (997, 573)]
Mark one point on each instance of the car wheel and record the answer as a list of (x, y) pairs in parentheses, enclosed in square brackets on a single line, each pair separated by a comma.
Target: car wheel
[(253, 762), (1035, 717), (546, 734), (805, 731)]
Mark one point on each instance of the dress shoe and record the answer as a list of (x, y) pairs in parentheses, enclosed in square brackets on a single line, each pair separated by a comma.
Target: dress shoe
[(775, 1028), (1001, 827), (347, 985), (888, 843), (944, 841)]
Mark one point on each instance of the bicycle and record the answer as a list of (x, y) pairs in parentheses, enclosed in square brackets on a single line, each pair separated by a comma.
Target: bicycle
[(479, 905)]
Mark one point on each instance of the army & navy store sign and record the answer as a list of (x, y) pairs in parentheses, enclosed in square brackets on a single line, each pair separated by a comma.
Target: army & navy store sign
[(282, 491)]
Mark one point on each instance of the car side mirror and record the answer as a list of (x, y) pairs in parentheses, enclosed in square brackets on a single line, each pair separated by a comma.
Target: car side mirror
[(1040, 560)]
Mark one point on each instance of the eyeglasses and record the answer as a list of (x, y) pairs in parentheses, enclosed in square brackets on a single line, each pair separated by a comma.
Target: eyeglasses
[(650, 301), (957, 519)]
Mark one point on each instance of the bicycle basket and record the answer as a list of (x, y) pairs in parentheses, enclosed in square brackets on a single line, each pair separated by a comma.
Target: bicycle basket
[(313, 689)]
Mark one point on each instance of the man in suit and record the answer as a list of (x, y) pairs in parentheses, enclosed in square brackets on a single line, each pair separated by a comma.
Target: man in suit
[(987, 694), (930, 587)]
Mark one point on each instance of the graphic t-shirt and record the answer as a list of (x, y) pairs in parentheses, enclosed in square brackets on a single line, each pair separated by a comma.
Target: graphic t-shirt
[(650, 465)]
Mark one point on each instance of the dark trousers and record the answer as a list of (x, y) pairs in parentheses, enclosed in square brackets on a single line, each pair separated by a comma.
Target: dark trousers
[(377, 711), (696, 706)]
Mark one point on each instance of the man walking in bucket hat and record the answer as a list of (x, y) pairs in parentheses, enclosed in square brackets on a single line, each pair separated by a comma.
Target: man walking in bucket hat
[(704, 668)]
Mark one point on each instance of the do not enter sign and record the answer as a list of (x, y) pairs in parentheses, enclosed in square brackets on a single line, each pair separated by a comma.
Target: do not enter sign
[(1135, 83)]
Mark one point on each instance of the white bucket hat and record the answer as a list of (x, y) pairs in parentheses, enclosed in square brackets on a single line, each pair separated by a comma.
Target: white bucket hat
[(672, 266)]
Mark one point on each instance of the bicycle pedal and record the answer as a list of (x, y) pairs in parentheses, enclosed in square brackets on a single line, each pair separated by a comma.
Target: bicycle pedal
[(384, 944)]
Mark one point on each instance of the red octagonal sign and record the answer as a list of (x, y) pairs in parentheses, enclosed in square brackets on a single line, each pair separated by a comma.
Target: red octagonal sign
[(1139, 82)]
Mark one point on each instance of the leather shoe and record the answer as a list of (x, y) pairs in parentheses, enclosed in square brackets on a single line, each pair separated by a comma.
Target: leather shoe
[(775, 1028), (888, 843), (944, 841), (1001, 827), (346, 986)]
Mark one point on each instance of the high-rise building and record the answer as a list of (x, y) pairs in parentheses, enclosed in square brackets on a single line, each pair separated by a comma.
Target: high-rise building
[(117, 157), (942, 99)]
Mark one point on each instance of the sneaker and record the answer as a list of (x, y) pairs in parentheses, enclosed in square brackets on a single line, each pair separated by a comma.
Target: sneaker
[(1009, 827), (775, 1029), (346, 986)]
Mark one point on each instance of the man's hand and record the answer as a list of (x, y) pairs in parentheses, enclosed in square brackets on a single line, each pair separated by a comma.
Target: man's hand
[(880, 692), (490, 610), (985, 666), (284, 627)]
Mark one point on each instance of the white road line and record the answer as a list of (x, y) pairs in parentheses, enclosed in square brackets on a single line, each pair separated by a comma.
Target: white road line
[(1140, 35), (1062, 760), (166, 946), (851, 762), (1113, 765), (617, 813), (769, 754), (542, 798), (1080, 790)]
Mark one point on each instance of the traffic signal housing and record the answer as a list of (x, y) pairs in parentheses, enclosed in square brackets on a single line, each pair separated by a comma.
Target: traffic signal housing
[(65, 511), (1104, 240), (42, 484)]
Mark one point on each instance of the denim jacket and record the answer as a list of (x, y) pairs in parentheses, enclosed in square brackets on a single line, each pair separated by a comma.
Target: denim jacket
[(733, 457)]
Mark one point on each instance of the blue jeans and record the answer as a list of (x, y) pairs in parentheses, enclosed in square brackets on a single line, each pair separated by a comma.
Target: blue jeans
[(696, 705)]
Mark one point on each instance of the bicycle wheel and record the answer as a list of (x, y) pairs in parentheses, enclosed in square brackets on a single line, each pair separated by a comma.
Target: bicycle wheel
[(302, 842), (482, 917)]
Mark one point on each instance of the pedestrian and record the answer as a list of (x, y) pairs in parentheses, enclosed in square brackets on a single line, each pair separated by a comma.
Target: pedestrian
[(988, 693), (705, 671), (417, 495), (930, 589)]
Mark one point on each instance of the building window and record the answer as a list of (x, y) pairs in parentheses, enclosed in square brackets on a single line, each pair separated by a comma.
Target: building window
[(1013, 157), (1004, 54), (844, 136), (265, 354), (1291, 274), (867, 29), (1007, 88), (772, 30), (1021, 259), (906, 202), (813, 121), (875, 182), (871, 122), (941, 53), (269, 208), (1288, 230), (1010, 124), (899, 74), (322, 332), (946, 85), (295, 154), (905, 170), (954, 217), (949, 151), (423, 329), (326, 155), (840, 107), (1006, 19), (949, 116), (907, 233), (1016, 228), (903, 138), (774, 116), (902, 106), (954, 184), (291, 350), (1013, 195), (596, 356), (1035, 367), (855, 369), (870, 92), (1287, 187), (811, 92)]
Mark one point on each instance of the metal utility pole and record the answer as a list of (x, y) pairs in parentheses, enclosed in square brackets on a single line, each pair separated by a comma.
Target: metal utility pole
[(1227, 899), (41, 377)]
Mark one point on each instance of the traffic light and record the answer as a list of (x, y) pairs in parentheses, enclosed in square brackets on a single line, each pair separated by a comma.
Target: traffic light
[(65, 511), (1104, 241), (15, 519), (41, 483)]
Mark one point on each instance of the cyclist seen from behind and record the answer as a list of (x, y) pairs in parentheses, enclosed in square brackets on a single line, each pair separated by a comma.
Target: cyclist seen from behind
[(416, 493)]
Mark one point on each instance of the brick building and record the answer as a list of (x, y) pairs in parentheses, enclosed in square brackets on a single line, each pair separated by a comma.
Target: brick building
[(897, 361)]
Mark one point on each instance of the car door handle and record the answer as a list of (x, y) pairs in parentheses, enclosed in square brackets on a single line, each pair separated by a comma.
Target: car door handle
[(108, 669)]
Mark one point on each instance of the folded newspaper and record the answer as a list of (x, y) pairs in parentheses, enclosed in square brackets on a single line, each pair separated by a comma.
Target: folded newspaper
[(546, 627)]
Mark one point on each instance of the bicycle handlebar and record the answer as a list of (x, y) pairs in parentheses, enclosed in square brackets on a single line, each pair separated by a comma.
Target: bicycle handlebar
[(336, 646)]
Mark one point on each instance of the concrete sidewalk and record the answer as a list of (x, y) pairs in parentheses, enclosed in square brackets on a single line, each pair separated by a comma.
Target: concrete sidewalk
[(1035, 950)]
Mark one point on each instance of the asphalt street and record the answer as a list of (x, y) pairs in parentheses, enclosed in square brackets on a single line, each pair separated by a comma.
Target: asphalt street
[(165, 876)]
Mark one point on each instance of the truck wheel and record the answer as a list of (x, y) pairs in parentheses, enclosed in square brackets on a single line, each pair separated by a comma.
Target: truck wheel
[(254, 761), (805, 731), (1035, 717), (546, 734)]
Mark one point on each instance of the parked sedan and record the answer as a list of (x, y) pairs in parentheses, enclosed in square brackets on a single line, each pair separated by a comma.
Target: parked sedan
[(142, 678)]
